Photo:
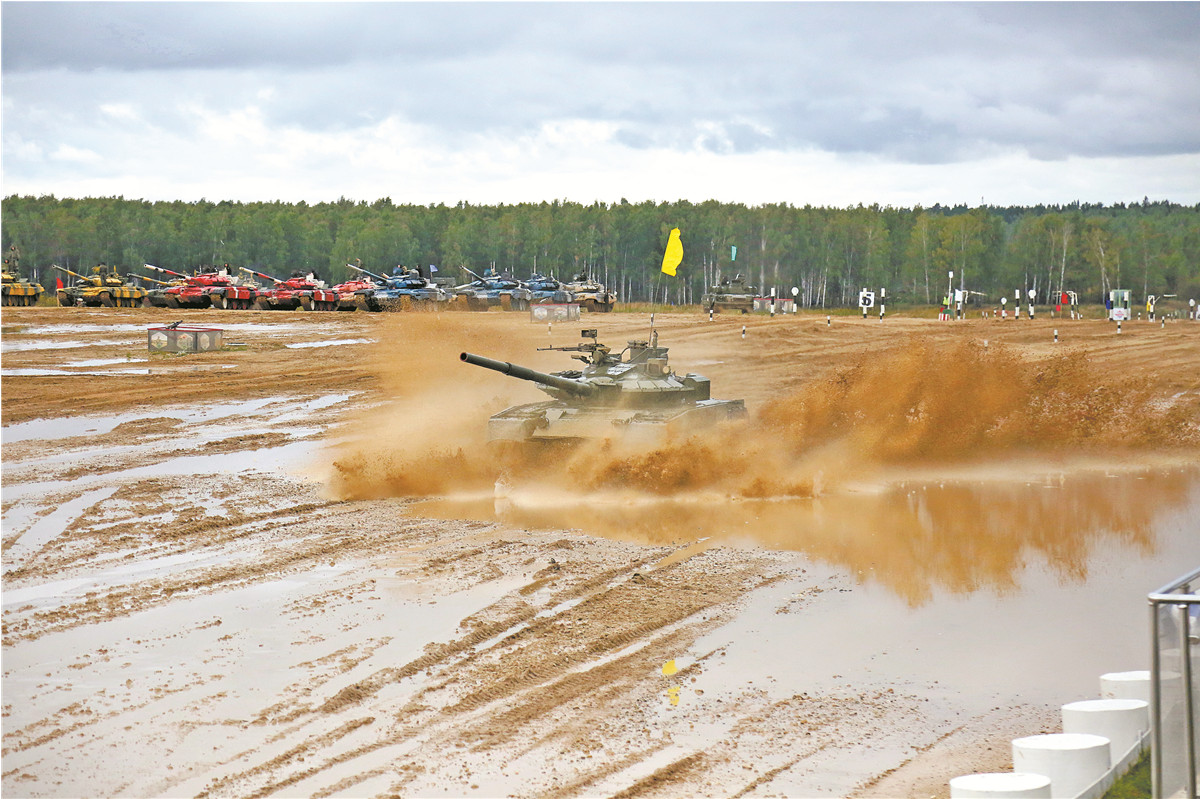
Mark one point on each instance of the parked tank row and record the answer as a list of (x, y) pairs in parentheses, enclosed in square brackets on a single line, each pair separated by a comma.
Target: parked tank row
[(225, 288)]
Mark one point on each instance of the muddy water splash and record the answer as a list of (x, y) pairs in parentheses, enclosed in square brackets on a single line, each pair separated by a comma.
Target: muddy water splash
[(912, 467), (919, 404), (914, 539)]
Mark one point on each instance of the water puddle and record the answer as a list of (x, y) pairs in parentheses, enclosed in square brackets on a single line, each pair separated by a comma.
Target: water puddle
[(71, 373), (51, 429), (295, 459), (104, 362), (337, 343), (50, 526), (25, 346), (914, 540)]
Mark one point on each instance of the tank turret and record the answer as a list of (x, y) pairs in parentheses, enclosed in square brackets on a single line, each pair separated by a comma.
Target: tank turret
[(491, 290), (406, 289), (15, 289), (103, 287), (730, 295), (633, 391)]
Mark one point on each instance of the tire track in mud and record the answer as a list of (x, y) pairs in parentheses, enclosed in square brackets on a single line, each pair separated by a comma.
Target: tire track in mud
[(367, 688), (289, 756), (269, 563), (665, 777), (545, 683)]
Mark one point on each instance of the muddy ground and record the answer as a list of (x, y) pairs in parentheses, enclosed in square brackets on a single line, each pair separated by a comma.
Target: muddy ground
[(294, 567)]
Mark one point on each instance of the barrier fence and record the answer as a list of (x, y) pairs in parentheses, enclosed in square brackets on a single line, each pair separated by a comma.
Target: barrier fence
[(1174, 692)]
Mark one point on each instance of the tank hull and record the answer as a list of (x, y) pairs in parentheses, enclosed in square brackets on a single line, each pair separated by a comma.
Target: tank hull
[(558, 421), (108, 296), (743, 303), (21, 293)]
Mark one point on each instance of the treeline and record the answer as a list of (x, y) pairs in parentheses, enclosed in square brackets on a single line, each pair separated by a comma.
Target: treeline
[(828, 254)]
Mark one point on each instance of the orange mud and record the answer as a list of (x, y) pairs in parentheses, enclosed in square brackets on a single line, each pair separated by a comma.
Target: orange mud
[(925, 401), (302, 571)]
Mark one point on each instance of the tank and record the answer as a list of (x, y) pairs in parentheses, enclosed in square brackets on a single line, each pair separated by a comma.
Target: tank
[(591, 294), (208, 288), (406, 289), (104, 287), (633, 394), (730, 295), (491, 290), (157, 297), (547, 290), (301, 290), (15, 289)]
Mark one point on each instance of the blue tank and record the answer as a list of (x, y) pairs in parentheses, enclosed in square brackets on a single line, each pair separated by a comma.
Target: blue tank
[(489, 290), (547, 290), (405, 289)]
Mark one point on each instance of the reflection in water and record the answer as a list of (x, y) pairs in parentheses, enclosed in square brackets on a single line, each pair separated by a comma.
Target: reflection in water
[(914, 539)]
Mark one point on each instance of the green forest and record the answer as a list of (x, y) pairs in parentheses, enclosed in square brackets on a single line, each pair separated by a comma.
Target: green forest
[(829, 254)]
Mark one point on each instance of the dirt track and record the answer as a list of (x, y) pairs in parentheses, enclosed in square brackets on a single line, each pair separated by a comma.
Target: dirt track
[(223, 581)]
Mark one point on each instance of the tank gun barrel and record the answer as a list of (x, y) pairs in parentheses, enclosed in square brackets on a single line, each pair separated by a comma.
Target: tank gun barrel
[(260, 274), (152, 280), (164, 271), (367, 272), (69, 272), (473, 274), (524, 373)]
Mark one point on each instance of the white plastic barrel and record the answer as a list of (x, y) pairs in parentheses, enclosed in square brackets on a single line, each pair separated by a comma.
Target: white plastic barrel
[(1072, 761), (1125, 685), (1121, 721), (1000, 785)]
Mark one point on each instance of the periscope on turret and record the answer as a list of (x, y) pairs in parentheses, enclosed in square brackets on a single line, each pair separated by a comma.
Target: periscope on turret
[(631, 394)]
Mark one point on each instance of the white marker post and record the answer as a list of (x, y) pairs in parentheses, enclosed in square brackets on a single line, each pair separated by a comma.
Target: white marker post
[(795, 300), (772, 303), (882, 302), (1056, 335), (1004, 307), (1032, 296), (866, 299), (743, 332)]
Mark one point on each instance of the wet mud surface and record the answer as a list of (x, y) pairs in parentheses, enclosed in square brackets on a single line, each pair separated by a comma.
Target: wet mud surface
[(299, 570)]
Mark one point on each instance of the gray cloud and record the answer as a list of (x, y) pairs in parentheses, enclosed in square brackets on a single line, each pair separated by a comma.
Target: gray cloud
[(919, 83)]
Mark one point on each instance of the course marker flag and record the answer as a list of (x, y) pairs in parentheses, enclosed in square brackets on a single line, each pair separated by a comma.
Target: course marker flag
[(674, 254)]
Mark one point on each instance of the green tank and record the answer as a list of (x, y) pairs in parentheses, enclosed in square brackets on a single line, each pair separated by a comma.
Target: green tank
[(103, 287), (730, 295), (633, 394), (17, 290)]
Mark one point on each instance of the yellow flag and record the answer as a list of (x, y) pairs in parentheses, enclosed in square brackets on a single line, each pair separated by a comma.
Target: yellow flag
[(674, 254)]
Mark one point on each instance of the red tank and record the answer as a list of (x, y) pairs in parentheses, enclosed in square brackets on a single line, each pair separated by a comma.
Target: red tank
[(346, 292), (209, 288), (301, 290)]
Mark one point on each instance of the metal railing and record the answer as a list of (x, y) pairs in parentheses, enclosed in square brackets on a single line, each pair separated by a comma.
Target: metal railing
[(1174, 694)]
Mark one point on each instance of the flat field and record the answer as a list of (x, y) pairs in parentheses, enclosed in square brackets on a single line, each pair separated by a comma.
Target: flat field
[(294, 567)]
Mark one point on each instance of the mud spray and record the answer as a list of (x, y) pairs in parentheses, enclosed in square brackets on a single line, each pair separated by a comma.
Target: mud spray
[(920, 404), (861, 467)]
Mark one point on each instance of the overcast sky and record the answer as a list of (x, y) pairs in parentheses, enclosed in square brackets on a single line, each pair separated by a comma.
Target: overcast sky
[(821, 103)]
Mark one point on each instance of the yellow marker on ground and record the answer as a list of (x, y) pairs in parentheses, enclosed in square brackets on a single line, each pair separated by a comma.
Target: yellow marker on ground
[(669, 668)]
